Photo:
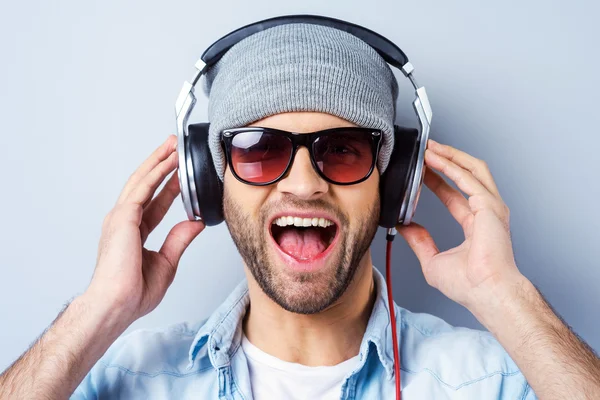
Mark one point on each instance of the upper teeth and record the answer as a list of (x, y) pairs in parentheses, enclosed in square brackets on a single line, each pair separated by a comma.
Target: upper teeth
[(296, 221)]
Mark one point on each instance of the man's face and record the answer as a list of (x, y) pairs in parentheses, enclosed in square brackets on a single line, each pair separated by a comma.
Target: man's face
[(303, 269)]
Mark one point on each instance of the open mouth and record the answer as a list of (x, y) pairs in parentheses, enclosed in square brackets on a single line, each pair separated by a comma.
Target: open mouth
[(303, 238)]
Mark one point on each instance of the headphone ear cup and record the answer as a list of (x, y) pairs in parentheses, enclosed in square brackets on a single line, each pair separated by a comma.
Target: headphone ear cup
[(395, 181), (209, 188)]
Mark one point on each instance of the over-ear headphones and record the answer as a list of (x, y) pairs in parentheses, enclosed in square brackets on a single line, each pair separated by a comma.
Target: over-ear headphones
[(400, 184)]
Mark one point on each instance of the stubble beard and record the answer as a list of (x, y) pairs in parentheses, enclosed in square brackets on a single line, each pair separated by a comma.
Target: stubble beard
[(307, 292)]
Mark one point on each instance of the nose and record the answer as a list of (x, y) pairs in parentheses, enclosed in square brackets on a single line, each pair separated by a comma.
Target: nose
[(302, 180)]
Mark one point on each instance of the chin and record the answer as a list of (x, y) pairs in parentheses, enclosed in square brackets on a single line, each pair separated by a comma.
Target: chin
[(305, 291)]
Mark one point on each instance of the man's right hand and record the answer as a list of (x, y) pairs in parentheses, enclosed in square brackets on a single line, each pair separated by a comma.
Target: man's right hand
[(132, 279), (129, 281)]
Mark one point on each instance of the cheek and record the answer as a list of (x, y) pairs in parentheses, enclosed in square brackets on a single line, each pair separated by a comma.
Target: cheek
[(359, 200), (247, 199)]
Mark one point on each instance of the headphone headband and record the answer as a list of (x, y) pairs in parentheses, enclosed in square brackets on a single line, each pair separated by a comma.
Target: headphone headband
[(386, 48)]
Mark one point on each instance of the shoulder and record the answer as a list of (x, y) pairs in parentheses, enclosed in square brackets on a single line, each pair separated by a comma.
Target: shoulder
[(153, 351), (456, 357), (146, 363)]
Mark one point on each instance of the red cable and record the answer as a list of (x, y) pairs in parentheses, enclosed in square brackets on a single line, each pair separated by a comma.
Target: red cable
[(388, 277)]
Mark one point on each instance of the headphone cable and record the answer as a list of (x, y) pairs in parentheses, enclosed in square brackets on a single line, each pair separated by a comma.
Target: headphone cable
[(391, 234)]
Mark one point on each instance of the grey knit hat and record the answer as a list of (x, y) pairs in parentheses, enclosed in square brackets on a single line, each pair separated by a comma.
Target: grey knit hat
[(300, 67)]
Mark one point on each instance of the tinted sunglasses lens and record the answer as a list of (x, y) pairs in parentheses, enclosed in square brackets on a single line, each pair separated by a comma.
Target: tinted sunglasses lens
[(260, 157), (345, 156)]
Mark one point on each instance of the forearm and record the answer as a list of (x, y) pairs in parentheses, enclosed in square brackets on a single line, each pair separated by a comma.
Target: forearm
[(59, 360), (555, 362)]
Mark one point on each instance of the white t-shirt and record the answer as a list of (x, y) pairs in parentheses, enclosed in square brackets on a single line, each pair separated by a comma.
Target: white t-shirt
[(272, 378)]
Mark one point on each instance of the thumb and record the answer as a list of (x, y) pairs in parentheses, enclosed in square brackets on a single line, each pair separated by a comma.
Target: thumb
[(419, 240), (179, 238)]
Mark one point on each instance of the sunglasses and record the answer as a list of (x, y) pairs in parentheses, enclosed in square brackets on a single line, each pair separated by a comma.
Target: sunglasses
[(262, 156)]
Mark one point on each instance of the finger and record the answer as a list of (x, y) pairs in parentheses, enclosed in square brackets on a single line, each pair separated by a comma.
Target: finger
[(158, 207), (454, 201), (159, 155), (179, 238), (477, 167), (479, 196), (463, 179), (420, 241), (482, 203), (145, 189)]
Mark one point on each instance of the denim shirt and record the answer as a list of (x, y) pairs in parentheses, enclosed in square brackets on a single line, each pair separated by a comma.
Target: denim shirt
[(205, 360)]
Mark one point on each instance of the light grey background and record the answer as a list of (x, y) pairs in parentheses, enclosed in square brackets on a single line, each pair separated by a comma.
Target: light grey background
[(87, 91)]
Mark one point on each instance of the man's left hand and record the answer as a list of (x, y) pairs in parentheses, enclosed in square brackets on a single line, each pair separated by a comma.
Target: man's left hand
[(485, 259)]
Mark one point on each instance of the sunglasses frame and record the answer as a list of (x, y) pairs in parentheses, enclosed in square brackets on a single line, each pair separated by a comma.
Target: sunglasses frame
[(307, 140)]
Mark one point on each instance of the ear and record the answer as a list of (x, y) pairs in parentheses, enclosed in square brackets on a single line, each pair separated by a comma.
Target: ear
[(394, 182)]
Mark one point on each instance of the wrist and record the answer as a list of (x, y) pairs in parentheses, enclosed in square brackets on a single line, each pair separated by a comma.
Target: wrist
[(109, 318), (502, 298)]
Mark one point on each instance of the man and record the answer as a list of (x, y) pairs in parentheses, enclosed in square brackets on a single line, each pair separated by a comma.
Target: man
[(311, 321)]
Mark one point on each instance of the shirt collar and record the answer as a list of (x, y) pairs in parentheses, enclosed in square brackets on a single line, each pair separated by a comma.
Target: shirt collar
[(220, 336), (379, 329)]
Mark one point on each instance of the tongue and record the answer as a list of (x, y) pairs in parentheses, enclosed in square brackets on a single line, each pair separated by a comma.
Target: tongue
[(303, 243)]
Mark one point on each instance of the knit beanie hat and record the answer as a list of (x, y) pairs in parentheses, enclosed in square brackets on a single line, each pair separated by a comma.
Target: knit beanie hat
[(300, 67)]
